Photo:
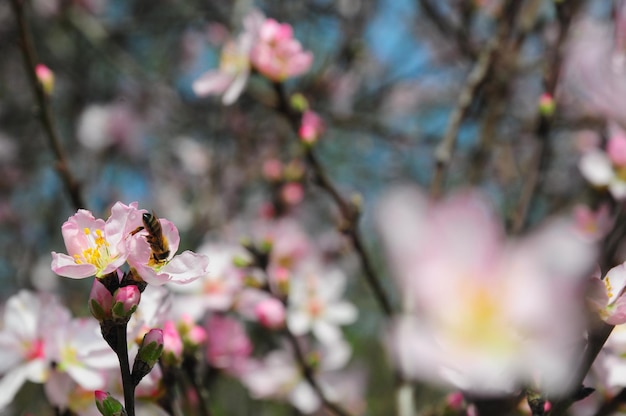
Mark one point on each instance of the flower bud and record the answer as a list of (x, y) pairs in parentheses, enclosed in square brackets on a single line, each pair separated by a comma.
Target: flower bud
[(45, 77), (125, 302), (192, 335), (299, 102), (172, 344), (272, 169), (271, 313), (100, 301), (108, 405), (311, 128), (547, 106), (148, 354), (292, 193)]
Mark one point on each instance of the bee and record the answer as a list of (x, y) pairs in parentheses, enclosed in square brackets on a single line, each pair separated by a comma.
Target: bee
[(156, 239)]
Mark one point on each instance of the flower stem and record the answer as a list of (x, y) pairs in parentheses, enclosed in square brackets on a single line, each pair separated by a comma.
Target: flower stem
[(127, 382)]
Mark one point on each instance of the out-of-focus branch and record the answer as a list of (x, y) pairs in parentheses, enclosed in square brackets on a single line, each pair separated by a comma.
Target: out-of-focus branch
[(566, 12), (309, 375), (448, 28), (443, 153), (350, 212), (45, 113), (476, 77)]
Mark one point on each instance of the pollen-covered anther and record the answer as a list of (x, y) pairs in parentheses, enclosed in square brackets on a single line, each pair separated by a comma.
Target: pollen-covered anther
[(609, 288)]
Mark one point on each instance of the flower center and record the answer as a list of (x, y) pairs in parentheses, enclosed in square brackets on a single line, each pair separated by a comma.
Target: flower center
[(35, 350), (98, 251)]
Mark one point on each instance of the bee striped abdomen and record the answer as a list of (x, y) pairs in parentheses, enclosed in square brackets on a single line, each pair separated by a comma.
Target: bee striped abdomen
[(156, 240)]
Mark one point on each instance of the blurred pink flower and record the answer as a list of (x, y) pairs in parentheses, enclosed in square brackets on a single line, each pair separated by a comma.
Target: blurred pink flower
[(315, 303), (172, 343), (482, 314), (311, 127), (95, 247), (217, 288), (292, 193), (276, 54), (232, 76), (278, 375), (28, 324), (593, 224), (270, 313), (228, 345), (607, 169), (78, 349)]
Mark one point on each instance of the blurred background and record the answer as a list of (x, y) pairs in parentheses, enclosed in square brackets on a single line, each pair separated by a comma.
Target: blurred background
[(388, 79)]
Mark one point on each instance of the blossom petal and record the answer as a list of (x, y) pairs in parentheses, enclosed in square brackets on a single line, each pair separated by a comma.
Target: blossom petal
[(596, 167), (616, 278), (65, 266)]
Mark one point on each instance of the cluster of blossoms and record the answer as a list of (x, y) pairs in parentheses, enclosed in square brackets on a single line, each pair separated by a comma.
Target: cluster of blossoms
[(279, 283), (42, 343), (265, 46)]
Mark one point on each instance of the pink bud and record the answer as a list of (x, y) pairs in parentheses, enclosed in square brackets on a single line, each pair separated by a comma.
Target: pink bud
[(292, 193), (547, 406), (191, 333), (100, 395), (45, 77), (272, 169), (455, 400), (616, 149), (311, 128), (172, 342), (126, 299), (153, 335), (271, 313), (100, 301), (547, 105)]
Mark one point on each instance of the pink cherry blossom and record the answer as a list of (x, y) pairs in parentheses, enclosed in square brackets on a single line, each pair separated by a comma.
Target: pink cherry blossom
[(29, 321), (172, 342), (277, 55), (180, 269), (607, 168), (94, 247), (278, 375), (270, 313), (482, 313), (315, 303), (606, 295), (231, 78), (228, 346), (217, 288), (78, 349), (593, 224)]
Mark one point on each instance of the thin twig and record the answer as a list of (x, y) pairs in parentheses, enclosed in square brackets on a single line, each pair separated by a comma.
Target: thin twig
[(309, 375), (544, 122), (45, 113), (350, 212), (447, 28), (443, 153)]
